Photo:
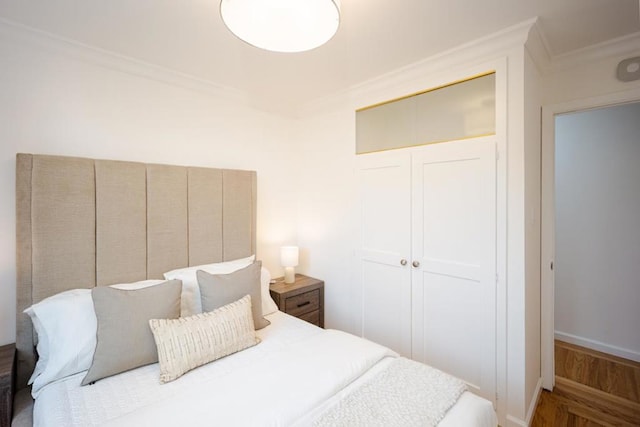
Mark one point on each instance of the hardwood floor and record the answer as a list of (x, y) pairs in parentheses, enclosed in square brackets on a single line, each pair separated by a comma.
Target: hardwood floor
[(592, 389)]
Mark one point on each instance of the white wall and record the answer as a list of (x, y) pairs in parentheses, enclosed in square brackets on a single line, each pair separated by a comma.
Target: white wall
[(533, 102), (519, 141), (53, 100), (326, 210), (590, 72), (597, 283)]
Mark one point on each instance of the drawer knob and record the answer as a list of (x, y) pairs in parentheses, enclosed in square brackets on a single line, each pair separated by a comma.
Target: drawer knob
[(403, 262), (302, 304), (416, 264)]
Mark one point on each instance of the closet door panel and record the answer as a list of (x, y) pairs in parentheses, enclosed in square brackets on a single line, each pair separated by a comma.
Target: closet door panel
[(453, 228), (384, 181), (452, 326)]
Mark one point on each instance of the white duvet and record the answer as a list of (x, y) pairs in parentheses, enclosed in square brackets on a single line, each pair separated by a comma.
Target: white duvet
[(296, 373)]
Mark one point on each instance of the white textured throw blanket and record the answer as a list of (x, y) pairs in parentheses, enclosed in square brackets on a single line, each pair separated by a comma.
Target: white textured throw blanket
[(407, 393)]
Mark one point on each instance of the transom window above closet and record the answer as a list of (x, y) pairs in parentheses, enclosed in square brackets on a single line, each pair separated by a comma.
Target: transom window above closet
[(459, 110)]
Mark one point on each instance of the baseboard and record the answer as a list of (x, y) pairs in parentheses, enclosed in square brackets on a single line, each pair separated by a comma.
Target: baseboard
[(515, 422), (598, 346), (534, 402)]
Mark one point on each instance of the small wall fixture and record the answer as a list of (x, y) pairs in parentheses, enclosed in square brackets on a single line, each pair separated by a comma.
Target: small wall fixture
[(629, 69), (282, 25), (289, 259)]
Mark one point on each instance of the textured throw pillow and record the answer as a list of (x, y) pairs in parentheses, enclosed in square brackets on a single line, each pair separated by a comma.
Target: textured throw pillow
[(190, 303), (188, 342), (217, 290), (123, 340)]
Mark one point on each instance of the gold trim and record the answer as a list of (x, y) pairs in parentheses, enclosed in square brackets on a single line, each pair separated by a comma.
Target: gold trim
[(476, 76), (422, 144)]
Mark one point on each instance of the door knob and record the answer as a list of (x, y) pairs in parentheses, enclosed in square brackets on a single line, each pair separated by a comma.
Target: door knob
[(416, 264), (403, 262)]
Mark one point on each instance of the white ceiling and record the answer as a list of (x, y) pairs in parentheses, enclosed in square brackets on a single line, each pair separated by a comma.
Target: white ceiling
[(375, 37)]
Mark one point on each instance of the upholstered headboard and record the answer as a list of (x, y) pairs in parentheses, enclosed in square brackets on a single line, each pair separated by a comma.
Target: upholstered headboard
[(83, 223)]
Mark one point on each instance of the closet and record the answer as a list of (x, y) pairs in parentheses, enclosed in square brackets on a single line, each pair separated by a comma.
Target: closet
[(427, 255)]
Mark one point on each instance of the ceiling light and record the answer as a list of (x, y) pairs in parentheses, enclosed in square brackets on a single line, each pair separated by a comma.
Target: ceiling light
[(282, 25)]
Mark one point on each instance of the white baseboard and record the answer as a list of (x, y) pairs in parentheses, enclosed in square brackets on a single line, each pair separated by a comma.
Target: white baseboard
[(598, 346), (515, 422), (534, 402)]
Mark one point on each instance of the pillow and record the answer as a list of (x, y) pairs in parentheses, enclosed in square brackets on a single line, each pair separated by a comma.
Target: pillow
[(66, 330), (65, 326), (268, 304), (123, 339), (190, 302), (188, 342), (137, 285), (217, 290)]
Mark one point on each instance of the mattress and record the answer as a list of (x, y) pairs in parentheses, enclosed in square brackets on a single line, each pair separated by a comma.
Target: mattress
[(273, 383)]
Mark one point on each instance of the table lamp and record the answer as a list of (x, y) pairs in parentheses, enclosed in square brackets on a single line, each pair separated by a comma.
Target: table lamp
[(289, 259)]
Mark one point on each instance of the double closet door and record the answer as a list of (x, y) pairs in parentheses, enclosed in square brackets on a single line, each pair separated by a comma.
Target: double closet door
[(427, 256)]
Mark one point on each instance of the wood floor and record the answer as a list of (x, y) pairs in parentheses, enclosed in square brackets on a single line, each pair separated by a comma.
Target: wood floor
[(592, 389)]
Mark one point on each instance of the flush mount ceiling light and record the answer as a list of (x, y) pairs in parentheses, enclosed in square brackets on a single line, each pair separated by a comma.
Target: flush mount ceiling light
[(282, 25)]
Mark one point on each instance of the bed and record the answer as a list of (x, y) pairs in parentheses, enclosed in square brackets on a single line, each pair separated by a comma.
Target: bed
[(84, 224)]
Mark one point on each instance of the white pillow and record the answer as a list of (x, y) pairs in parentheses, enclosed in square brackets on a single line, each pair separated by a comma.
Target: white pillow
[(137, 285), (190, 299), (268, 304), (66, 327)]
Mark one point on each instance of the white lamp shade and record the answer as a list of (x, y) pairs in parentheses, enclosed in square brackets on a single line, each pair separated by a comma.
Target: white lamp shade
[(289, 256), (282, 25)]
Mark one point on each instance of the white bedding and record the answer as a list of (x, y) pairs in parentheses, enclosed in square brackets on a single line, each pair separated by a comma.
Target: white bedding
[(295, 373)]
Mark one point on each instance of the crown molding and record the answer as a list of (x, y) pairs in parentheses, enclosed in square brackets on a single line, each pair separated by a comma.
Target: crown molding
[(538, 47), (475, 53), (24, 35), (628, 45), (478, 50)]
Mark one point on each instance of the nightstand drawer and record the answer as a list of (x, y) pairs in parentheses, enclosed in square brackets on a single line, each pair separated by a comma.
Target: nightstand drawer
[(313, 317), (303, 303), (303, 298)]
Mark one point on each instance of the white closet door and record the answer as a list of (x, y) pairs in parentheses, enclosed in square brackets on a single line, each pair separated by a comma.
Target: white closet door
[(384, 274), (454, 256)]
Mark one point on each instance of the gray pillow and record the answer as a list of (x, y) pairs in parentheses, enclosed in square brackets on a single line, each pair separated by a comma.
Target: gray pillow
[(124, 339), (217, 290)]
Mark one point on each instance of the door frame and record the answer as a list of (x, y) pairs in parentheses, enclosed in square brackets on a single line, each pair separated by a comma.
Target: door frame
[(547, 207)]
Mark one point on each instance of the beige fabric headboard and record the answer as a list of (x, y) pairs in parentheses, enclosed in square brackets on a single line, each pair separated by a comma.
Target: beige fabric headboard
[(83, 223)]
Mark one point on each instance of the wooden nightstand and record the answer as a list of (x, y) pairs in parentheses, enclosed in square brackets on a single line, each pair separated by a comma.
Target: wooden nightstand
[(303, 299), (7, 382)]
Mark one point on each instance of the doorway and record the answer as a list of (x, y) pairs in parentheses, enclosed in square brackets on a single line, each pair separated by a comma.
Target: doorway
[(591, 230)]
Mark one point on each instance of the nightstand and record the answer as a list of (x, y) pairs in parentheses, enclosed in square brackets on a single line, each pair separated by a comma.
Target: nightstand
[(7, 382), (303, 299)]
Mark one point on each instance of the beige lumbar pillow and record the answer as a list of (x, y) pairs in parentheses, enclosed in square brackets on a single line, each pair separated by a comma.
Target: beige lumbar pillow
[(217, 290), (123, 338), (188, 342)]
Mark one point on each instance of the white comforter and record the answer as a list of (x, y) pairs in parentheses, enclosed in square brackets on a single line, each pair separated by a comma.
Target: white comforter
[(291, 376)]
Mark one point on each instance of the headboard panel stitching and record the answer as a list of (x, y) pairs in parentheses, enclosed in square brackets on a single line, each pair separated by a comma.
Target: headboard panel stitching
[(188, 206)]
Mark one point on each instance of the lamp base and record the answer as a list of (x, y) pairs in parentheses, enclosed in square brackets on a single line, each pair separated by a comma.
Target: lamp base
[(289, 275)]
